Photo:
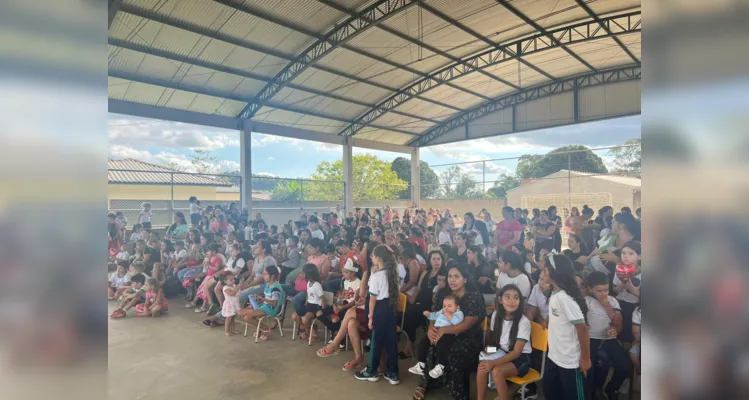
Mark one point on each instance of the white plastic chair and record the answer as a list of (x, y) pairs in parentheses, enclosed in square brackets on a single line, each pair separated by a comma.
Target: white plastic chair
[(278, 317), (328, 296)]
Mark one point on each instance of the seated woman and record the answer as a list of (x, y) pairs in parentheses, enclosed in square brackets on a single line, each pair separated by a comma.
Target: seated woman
[(212, 265), (463, 355)]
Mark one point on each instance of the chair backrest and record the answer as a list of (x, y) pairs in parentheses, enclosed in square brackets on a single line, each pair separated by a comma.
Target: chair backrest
[(402, 302), (539, 337), (328, 296)]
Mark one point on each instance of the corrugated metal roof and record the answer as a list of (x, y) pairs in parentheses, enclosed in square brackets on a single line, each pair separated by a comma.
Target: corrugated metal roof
[(164, 40), (139, 172)]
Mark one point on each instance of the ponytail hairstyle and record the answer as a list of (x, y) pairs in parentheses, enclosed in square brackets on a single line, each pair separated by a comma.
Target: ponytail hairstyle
[(515, 262), (501, 313), (387, 255), (562, 275)]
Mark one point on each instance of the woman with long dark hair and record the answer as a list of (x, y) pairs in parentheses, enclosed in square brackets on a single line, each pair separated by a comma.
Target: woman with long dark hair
[(421, 300)]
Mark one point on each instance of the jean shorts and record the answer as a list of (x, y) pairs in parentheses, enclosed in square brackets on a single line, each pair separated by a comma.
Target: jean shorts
[(522, 364)]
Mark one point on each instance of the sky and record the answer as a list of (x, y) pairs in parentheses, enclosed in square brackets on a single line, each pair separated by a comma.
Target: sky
[(163, 142)]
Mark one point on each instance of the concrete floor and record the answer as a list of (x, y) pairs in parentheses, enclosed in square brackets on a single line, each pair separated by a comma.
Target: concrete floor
[(178, 357)]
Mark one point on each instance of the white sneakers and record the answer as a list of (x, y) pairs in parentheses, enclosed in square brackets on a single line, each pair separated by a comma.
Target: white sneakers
[(417, 369), (437, 371)]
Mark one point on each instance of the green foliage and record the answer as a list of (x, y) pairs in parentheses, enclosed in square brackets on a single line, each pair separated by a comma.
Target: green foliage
[(628, 160), (203, 161), (287, 191), (429, 179), (583, 160), (504, 184), (373, 179)]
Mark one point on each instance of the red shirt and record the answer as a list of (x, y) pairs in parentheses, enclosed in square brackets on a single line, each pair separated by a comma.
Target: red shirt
[(344, 257), (505, 232), (420, 242)]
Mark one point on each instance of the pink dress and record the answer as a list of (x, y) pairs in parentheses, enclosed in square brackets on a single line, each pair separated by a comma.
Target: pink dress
[(231, 303), (214, 265)]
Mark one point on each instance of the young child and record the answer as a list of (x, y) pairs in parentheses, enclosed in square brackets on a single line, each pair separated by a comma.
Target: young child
[(119, 279), (537, 309), (231, 306), (121, 222), (512, 272), (383, 303), (133, 270), (267, 304), (156, 303), (449, 315), (634, 352), (349, 292), (508, 345), (123, 255), (132, 296), (604, 324), (179, 260), (569, 342), (144, 218), (627, 283), (138, 233), (315, 301)]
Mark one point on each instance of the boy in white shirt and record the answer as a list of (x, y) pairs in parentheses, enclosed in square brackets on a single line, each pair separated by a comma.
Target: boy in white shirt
[(144, 218), (180, 258), (138, 233), (123, 255), (604, 324)]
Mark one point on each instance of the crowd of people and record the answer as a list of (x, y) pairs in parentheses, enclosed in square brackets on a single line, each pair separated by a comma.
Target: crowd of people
[(474, 285)]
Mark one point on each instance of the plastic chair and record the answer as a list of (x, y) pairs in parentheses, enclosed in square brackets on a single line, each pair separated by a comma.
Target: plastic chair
[(539, 341), (328, 296), (278, 317)]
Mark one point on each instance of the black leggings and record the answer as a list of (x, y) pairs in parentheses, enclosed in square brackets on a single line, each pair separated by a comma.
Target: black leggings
[(605, 354), (442, 347), (413, 320)]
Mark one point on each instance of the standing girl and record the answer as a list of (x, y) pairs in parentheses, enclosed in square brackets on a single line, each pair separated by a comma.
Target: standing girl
[(194, 211), (383, 303), (569, 342), (144, 218), (231, 301), (511, 338)]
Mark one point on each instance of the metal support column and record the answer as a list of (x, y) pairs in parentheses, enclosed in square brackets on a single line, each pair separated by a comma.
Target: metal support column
[(171, 186), (415, 178), (348, 175), (245, 167)]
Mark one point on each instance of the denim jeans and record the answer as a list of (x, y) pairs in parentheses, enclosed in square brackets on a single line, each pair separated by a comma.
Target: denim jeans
[(244, 295), (186, 272), (298, 301), (333, 285)]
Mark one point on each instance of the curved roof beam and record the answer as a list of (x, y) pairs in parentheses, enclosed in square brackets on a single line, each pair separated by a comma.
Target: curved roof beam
[(349, 29), (572, 84), (595, 17), (578, 33)]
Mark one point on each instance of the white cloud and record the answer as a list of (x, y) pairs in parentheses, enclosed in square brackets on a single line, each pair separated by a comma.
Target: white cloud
[(170, 135), (267, 174), (262, 140), (487, 148), (271, 158), (164, 158)]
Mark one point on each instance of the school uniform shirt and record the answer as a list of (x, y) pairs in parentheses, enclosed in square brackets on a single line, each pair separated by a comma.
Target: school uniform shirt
[(521, 281), (314, 293), (135, 236), (378, 285), (564, 314), (235, 265), (248, 233), (123, 255), (145, 216), (118, 281), (637, 317), (538, 299), (317, 234), (524, 334), (194, 209), (444, 238), (598, 318), (625, 295)]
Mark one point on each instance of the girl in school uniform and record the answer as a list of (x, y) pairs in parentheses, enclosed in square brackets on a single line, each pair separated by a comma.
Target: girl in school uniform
[(569, 343), (383, 302)]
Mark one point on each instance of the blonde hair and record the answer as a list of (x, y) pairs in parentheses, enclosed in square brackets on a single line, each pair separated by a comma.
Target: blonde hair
[(154, 284)]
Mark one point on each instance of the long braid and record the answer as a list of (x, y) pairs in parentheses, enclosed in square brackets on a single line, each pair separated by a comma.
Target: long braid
[(563, 275), (390, 266)]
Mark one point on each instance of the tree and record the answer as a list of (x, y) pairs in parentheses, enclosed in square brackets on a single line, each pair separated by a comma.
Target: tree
[(203, 161), (505, 183), (175, 166), (373, 179), (429, 179), (576, 157), (287, 191), (448, 178), (627, 160), (467, 188)]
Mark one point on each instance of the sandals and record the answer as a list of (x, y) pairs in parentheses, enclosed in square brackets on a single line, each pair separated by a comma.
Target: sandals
[(200, 310), (419, 393), (303, 336), (117, 314), (350, 366), (325, 353)]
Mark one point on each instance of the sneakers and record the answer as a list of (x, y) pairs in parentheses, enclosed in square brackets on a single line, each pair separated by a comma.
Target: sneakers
[(437, 371), (392, 378), (363, 375), (417, 369)]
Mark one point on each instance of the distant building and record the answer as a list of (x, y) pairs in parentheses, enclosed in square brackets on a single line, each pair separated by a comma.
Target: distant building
[(566, 189)]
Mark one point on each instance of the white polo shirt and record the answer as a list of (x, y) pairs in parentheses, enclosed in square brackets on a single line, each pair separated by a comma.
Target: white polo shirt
[(538, 299), (524, 334), (598, 318), (521, 281), (378, 285), (564, 314)]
